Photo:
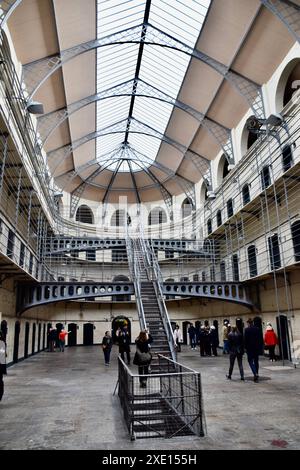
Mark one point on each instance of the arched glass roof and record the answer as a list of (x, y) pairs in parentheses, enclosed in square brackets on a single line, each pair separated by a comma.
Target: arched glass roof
[(161, 67)]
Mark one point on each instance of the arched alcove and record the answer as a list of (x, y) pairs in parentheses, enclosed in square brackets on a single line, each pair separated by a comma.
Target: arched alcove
[(288, 84), (84, 214), (223, 170), (157, 216), (186, 208)]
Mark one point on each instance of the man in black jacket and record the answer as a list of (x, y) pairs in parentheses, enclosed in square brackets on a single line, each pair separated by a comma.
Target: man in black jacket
[(253, 346)]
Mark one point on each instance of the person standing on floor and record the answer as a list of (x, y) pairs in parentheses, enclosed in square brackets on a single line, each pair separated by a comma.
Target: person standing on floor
[(192, 335), (202, 341), (270, 340), (52, 339), (124, 343), (107, 346), (2, 363), (236, 351), (253, 346), (214, 340), (62, 339), (143, 342), (225, 337), (178, 337)]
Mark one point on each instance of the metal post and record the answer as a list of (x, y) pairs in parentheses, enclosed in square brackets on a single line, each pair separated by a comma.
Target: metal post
[(18, 197), (4, 136)]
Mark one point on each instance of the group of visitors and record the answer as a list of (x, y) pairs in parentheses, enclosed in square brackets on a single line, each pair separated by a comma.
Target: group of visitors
[(54, 336), (142, 356), (253, 343), (206, 336)]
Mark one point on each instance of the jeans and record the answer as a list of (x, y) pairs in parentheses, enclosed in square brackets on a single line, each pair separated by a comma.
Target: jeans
[(253, 363), (239, 358), (143, 370), (106, 352), (62, 345), (127, 355), (193, 342), (226, 347)]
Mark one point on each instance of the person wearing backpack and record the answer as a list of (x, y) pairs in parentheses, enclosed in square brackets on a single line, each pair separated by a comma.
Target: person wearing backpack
[(142, 348)]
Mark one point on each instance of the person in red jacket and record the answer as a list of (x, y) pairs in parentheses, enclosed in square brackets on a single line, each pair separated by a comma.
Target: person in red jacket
[(270, 340)]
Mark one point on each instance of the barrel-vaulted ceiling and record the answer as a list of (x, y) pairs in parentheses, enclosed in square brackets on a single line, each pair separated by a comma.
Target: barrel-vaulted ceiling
[(140, 95)]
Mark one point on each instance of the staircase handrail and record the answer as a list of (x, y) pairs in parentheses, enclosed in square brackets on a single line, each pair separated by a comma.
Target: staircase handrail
[(155, 276), (135, 274)]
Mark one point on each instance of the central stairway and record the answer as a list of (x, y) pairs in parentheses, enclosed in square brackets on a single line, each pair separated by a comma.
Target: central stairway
[(151, 307)]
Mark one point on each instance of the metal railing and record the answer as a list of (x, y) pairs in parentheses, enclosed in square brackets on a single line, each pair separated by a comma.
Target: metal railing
[(154, 274), (170, 405), (135, 272)]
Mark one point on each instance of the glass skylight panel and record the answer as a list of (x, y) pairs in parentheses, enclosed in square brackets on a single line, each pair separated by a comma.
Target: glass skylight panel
[(161, 67)]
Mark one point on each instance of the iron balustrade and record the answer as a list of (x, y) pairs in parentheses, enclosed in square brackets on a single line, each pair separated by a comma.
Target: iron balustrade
[(170, 405)]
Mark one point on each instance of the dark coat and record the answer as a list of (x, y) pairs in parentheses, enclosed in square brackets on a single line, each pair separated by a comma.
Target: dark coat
[(144, 345), (124, 341), (253, 340), (214, 340), (236, 343), (107, 342), (192, 332)]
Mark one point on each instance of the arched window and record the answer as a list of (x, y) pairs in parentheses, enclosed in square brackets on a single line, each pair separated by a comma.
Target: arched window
[(287, 157), (274, 252), (265, 177), (219, 218), (229, 208), (157, 216), (296, 239), (292, 81), (223, 169), (252, 260), (119, 217), (235, 267), (252, 138), (186, 207), (246, 194), (223, 271), (209, 226), (84, 214)]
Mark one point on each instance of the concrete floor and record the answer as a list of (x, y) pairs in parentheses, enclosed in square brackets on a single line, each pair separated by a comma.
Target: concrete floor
[(65, 401)]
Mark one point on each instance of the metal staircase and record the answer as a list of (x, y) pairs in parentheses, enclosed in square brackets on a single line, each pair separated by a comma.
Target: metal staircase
[(151, 307)]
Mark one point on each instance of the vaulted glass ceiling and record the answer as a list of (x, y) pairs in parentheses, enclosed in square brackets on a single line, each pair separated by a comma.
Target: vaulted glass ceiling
[(132, 126)]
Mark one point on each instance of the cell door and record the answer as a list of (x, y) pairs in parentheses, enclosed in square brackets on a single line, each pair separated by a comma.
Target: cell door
[(283, 337), (27, 329), (88, 334), (72, 337), (16, 341)]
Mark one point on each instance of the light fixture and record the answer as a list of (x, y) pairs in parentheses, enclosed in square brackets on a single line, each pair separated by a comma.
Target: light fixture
[(274, 120), (211, 195), (34, 107)]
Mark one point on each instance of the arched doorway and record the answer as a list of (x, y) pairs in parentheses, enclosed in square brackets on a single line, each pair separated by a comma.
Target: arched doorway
[(240, 325), (39, 336), (216, 325), (88, 334), (16, 341), (27, 329), (3, 329), (257, 321), (120, 322), (49, 326), (283, 337), (33, 338), (72, 337), (44, 335), (185, 327)]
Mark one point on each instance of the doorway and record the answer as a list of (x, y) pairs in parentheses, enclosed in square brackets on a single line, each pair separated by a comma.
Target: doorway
[(27, 329), (3, 329), (88, 334), (39, 337), (44, 335), (49, 326), (258, 323), (283, 337), (185, 327), (72, 337), (33, 338), (16, 341), (120, 322)]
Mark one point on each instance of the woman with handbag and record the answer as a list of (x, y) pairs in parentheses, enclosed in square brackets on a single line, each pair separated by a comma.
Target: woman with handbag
[(143, 355)]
